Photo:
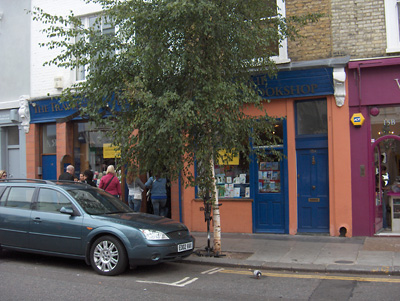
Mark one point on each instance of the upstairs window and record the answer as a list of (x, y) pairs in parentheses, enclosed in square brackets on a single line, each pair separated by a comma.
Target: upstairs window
[(102, 27), (282, 54), (392, 16), (277, 51)]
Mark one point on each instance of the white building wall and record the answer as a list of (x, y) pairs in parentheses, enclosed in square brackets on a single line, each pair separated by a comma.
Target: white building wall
[(42, 77), (14, 82)]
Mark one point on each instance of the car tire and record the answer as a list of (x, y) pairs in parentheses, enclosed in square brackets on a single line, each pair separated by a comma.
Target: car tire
[(108, 256)]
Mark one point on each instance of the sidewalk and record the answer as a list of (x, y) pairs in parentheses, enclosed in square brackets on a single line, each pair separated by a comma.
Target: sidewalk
[(306, 253)]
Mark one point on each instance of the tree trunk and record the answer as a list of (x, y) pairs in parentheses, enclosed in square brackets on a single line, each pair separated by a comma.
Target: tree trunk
[(216, 216)]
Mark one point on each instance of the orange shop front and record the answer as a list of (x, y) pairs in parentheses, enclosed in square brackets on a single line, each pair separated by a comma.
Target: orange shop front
[(58, 137), (309, 191)]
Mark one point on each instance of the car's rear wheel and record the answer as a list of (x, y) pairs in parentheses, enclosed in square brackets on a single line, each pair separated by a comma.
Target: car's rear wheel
[(108, 256)]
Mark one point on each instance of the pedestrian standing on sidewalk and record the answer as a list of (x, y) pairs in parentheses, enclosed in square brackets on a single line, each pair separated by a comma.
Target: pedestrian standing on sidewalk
[(110, 183), (68, 175), (88, 177), (158, 187), (136, 187)]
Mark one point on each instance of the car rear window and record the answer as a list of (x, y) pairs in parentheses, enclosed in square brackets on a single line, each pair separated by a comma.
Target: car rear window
[(17, 197)]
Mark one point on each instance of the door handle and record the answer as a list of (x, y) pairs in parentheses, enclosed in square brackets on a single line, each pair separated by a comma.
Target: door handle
[(37, 220), (313, 187)]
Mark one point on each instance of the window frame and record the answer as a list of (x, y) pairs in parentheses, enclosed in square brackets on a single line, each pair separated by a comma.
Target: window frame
[(60, 204), (8, 202), (392, 20), (283, 47), (85, 19)]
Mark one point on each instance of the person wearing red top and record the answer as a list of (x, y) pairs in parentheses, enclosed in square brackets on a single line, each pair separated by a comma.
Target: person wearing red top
[(110, 182)]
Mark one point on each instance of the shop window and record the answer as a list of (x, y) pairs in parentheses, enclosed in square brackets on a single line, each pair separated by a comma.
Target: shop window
[(392, 16), (49, 139), (13, 135), (311, 117), (269, 176), (269, 173), (92, 149), (233, 179), (387, 122)]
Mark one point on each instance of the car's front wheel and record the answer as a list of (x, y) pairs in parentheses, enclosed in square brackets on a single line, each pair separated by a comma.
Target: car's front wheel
[(108, 256)]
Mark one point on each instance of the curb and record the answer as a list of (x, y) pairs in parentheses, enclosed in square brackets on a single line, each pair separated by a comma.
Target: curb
[(294, 267)]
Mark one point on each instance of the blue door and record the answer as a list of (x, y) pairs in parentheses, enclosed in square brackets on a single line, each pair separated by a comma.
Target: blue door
[(313, 190), (269, 197), (49, 167)]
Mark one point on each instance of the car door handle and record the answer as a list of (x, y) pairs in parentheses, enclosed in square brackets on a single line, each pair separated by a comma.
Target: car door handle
[(37, 220)]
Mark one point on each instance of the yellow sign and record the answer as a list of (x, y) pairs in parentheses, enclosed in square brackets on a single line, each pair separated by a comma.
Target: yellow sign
[(223, 158), (357, 119), (110, 151)]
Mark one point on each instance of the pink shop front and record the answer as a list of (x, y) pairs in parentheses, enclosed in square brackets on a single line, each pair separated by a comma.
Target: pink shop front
[(374, 101)]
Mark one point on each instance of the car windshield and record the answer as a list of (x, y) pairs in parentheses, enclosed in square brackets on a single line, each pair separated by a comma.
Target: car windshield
[(96, 201)]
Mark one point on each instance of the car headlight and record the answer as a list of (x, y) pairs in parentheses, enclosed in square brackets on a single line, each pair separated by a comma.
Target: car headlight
[(154, 235)]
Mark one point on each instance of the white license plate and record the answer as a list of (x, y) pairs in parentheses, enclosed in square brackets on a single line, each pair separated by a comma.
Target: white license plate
[(185, 246)]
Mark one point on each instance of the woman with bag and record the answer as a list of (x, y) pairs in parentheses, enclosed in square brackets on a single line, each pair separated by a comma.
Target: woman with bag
[(136, 187), (110, 183)]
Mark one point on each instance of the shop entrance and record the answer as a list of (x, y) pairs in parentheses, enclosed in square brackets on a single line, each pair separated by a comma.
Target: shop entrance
[(269, 200), (386, 173), (49, 167), (313, 190), (312, 166)]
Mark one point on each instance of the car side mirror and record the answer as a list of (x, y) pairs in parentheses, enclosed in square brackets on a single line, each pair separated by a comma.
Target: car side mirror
[(65, 210)]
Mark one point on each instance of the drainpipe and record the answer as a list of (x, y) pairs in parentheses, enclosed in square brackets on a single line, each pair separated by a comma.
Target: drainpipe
[(180, 198), (359, 87)]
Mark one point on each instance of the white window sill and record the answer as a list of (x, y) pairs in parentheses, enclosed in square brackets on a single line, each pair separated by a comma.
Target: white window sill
[(393, 49)]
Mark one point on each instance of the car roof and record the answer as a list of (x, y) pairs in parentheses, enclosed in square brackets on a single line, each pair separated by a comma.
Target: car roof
[(68, 185)]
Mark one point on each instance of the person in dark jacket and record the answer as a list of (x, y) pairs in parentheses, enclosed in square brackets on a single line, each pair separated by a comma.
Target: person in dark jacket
[(88, 177), (68, 175), (158, 188)]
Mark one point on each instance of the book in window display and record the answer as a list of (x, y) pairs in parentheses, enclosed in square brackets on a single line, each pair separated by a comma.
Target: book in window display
[(233, 179), (220, 178), (269, 177), (247, 192)]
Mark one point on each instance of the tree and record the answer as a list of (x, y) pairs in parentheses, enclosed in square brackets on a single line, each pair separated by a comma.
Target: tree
[(172, 83)]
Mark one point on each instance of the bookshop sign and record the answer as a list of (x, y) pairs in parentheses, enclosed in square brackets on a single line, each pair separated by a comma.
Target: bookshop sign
[(50, 110), (298, 83)]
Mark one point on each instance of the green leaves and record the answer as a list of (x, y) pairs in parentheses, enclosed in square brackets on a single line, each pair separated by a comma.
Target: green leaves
[(175, 77)]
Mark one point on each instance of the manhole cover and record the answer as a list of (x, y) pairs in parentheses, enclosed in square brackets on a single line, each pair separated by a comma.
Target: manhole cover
[(344, 261)]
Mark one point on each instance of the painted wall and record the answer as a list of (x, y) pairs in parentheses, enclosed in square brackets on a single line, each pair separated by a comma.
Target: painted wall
[(15, 52), (378, 85), (42, 77), (340, 185), (379, 82), (236, 216)]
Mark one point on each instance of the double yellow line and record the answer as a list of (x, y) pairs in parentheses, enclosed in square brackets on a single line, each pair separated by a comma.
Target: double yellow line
[(323, 277)]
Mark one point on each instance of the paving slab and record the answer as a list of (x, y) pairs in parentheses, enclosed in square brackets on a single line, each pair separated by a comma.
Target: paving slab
[(311, 253)]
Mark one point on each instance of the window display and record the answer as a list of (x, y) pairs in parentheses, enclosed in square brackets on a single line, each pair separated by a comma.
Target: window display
[(269, 177), (233, 180), (90, 149)]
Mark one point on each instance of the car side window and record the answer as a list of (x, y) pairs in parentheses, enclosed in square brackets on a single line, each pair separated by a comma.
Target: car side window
[(4, 196), (50, 200), (18, 197), (1, 191)]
